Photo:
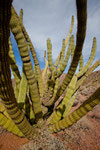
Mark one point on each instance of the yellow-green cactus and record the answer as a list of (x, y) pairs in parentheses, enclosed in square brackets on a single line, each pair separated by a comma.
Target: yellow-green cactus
[(37, 67), (27, 64), (49, 52), (39, 92), (81, 63), (81, 31), (78, 113), (14, 69), (66, 42), (62, 107), (88, 64), (6, 89)]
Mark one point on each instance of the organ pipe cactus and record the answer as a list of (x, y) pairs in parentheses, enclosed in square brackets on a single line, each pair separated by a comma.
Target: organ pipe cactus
[(24, 108)]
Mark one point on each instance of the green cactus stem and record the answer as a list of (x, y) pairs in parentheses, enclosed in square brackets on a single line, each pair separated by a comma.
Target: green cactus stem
[(78, 113), (66, 42), (27, 64), (62, 106), (23, 89), (81, 63), (81, 31), (45, 69), (92, 56), (21, 15), (6, 89), (37, 67), (49, 53), (14, 69)]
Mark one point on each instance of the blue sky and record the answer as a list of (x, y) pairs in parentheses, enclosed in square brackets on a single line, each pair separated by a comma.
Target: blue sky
[(51, 19)]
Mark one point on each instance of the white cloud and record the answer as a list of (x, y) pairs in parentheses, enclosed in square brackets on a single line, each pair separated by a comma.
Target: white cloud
[(45, 18)]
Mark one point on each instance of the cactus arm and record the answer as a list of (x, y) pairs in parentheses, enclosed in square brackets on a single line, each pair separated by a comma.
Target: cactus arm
[(57, 60), (15, 69), (72, 48), (56, 87), (7, 123), (70, 31), (78, 113), (81, 31), (91, 69), (49, 53), (62, 56), (88, 64), (27, 64), (37, 67), (6, 89), (21, 16), (23, 89), (81, 63), (46, 67), (64, 64), (62, 107), (68, 108), (66, 42)]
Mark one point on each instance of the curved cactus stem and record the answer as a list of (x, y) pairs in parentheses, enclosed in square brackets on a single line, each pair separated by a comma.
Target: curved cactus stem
[(49, 52), (72, 48), (70, 31), (14, 69), (81, 63), (62, 106), (91, 69), (6, 89), (68, 108), (88, 64), (64, 64), (21, 15), (62, 56), (37, 67), (56, 87), (45, 69), (27, 64), (81, 31), (66, 42), (78, 113), (57, 60), (22, 89), (7, 123)]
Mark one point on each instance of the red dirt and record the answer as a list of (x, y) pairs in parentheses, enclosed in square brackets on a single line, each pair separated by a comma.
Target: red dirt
[(9, 141)]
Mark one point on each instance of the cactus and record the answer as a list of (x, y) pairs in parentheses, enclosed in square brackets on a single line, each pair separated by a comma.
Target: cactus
[(32, 102)]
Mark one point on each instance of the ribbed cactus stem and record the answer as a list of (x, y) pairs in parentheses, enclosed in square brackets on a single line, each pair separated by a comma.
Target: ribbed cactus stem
[(46, 67), (27, 64), (72, 47), (62, 106), (14, 69), (81, 63), (36, 62), (64, 64), (6, 89), (49, 52), (21, 15), (23, 89), (62, 56), (91, 58), (81, 31), (87, 106), (66, 41)]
